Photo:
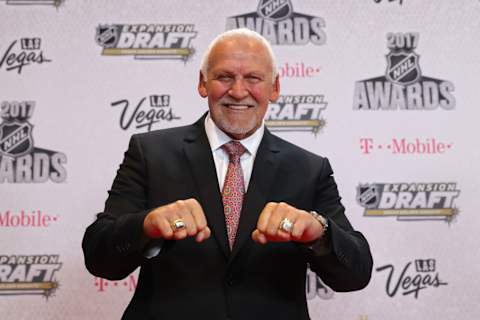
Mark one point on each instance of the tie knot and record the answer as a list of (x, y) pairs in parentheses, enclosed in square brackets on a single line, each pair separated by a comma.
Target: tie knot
[(234, 149)]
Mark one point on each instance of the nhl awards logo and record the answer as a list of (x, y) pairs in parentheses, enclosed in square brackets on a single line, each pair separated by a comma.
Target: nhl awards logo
[(29, 275), (279, 24), (19, 160), (297, 113), (409, 201), (147, 41), (403, 86)]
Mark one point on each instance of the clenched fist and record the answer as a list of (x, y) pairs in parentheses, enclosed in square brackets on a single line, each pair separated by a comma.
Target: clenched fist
[(305, 228), (159, 223)]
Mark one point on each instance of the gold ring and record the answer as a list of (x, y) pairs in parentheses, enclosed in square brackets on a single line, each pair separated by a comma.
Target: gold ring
[(177, 224)]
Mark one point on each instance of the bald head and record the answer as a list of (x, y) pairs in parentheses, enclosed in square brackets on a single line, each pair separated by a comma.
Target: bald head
[(245, 36)]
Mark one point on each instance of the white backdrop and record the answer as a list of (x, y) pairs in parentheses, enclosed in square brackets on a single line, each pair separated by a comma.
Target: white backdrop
[(387, 90)]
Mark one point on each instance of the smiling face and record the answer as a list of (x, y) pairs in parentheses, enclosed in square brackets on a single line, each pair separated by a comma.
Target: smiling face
[(239, 85)]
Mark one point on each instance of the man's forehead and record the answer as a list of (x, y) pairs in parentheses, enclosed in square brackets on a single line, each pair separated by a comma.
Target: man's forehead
[(238, 49)]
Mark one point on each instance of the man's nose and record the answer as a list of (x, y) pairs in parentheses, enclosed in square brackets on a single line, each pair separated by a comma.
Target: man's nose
[(238, 90)]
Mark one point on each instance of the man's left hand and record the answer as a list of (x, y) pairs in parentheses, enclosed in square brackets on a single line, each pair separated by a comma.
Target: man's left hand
[(305, 228)]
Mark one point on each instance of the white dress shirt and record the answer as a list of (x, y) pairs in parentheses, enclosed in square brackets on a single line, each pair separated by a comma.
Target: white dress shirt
[(217, 138)]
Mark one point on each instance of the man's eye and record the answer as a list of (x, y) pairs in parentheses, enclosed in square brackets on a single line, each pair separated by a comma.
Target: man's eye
[(224, 78), (253, 79)]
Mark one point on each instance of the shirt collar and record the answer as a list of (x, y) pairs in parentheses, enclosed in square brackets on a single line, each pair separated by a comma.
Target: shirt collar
[(218, 138)]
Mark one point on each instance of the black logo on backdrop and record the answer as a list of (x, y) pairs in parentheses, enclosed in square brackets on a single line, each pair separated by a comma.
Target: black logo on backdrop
[(55, 3), (403, 86), (316, 288), (279, 24), (400, 2), (409, 201), (414, 277), (147, 41), (21, 53), (147, 112), (29, 275), (20, 161), (297, 113)]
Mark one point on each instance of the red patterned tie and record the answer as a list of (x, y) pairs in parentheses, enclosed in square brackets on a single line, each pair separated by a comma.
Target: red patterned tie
[(233, 189)]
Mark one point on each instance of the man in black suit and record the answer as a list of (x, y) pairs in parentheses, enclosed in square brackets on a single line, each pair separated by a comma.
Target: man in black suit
[(217, 238)]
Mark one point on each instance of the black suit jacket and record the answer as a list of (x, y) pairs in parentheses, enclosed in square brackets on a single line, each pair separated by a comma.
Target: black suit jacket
[(188, 280)]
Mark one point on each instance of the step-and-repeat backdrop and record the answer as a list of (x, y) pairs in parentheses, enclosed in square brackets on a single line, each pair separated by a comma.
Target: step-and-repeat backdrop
[(387, 89)]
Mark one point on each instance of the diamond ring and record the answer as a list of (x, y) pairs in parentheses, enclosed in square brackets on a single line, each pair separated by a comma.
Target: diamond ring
[(286, 225)]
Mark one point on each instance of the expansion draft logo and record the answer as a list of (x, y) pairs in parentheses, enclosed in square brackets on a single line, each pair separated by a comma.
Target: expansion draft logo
[(147, 41), (279, 24), (55, 3), (20, 161), (29, 275), (403, 86), (297, 113), (409, 201)]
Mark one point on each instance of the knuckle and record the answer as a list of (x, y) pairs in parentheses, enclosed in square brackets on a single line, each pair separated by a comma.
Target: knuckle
[(173, 207), (283, 206), (192, 203), (180, 203), (271, 205), (201, 225)]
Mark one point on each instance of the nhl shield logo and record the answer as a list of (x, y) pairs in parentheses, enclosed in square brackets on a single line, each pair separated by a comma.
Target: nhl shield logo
[(107, 36), (368, 195), (403, 68), (15, 138), (275, 10)]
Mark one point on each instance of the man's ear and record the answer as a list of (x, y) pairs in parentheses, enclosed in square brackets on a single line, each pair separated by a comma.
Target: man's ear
[(275, 89), (202, 85)]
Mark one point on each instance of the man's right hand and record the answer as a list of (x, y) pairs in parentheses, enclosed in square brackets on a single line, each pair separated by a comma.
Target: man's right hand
[(158, 222)]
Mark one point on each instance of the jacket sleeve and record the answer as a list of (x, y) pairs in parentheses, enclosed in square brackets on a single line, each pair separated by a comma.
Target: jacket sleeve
[(347, 264), (113, 244)]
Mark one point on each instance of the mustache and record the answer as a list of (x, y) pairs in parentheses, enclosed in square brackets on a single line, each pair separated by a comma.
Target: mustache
[(245, 102)]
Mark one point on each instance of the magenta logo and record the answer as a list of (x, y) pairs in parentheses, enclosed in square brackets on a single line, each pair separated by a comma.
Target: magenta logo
[(298, 70), (404, 146), (25, 219)]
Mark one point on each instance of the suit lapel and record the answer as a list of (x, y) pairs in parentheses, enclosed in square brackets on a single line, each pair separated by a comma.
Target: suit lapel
[(198, 152), (264, 168)]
